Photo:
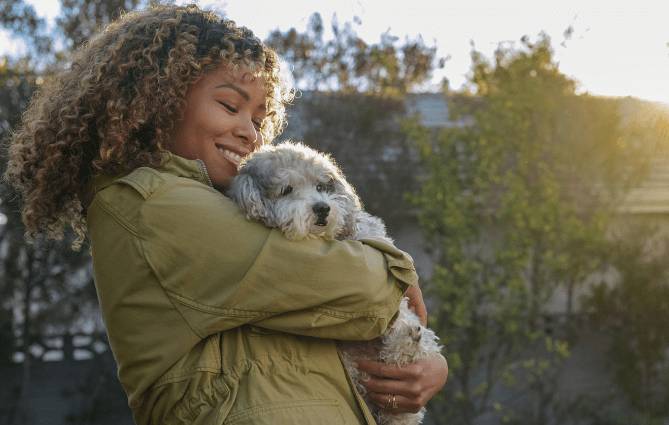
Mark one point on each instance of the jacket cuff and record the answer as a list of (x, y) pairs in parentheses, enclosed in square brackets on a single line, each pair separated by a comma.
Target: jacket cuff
[(400, 264)]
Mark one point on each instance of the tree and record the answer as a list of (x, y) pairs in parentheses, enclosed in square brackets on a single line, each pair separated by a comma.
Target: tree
[(347, 64), (22, 21), (633, 311), (514, 202), (81, 19), (354, 100)]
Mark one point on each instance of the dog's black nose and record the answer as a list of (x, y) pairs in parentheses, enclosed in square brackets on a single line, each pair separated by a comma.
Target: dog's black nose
[(321, 209)]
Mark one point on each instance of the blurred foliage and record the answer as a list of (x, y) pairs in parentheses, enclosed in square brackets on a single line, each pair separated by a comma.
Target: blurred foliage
[(633, 310), (22, 20), (17, 83), (81, 19), (346, 63), (517, 199)]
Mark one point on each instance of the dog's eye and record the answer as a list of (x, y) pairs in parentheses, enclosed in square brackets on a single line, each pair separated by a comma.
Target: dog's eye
[(327, 187), (286, 190)]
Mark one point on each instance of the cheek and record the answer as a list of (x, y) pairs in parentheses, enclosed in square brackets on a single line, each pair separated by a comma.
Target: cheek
[(205, 117), (188, 136), (206, 125)]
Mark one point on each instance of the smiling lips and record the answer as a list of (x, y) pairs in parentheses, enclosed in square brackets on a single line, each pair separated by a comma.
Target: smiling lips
[(231, 156)]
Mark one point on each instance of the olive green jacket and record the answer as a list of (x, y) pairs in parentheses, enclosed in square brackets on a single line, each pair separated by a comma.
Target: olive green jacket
[(214, 319)]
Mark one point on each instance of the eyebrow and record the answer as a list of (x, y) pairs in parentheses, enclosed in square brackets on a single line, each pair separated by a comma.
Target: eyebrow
[(239, 90)]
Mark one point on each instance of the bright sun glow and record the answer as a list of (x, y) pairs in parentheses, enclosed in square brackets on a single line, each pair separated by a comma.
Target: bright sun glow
[(618, 48)]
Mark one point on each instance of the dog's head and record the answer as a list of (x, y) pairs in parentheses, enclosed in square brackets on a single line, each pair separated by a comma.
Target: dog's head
[(298, 190)]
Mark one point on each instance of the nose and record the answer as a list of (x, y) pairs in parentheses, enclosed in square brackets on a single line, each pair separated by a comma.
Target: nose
[(246, 131), (321, 209)]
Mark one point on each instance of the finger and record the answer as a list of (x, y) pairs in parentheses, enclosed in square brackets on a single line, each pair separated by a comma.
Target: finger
[(407, 388), (421, 312), (416, 303), (389, 371), (404, 405)]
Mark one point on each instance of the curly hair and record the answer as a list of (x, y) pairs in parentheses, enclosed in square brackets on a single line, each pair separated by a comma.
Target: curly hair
[(116, 107)]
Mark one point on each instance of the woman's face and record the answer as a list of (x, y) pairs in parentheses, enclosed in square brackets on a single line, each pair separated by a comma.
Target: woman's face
[(221, 122)]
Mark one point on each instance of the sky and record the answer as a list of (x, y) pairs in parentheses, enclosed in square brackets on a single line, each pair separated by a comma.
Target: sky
[(618, 48)]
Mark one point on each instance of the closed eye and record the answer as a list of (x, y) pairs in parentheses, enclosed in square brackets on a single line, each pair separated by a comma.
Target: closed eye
[(228, 107)]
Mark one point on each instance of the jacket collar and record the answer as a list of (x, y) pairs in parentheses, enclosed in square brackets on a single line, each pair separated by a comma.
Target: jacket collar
[(171, 164), (182, 167)]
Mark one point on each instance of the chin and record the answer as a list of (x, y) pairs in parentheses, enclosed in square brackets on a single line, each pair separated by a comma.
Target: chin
[(222, 176), (222, 184)]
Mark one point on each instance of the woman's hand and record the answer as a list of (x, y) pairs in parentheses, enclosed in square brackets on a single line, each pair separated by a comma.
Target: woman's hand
[(416, 303), (412, 385)]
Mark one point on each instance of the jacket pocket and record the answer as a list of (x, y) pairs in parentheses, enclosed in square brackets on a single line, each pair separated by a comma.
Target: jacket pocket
[(303, 412)]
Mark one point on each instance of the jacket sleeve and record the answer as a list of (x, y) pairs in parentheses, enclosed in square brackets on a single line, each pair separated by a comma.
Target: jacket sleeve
[(222, 271)]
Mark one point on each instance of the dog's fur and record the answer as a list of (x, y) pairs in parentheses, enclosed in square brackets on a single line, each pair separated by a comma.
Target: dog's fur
[(302, 192)]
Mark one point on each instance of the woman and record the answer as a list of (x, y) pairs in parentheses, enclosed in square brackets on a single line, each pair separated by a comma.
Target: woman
[(211, 318)]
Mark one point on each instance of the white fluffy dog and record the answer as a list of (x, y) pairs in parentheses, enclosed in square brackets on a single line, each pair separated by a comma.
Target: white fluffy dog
[(302, 192)]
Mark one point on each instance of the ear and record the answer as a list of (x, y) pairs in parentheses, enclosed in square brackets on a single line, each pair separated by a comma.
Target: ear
[(352, 206), (246, 193)]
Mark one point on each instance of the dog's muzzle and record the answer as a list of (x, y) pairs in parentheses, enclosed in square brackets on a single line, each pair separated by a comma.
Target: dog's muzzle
[(321, 209)]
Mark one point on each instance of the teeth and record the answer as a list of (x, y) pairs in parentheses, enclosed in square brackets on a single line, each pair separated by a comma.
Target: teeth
[(230, 155)]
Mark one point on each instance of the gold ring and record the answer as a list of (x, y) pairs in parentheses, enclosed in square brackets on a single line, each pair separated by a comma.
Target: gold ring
[(390, 402), (394, 402)]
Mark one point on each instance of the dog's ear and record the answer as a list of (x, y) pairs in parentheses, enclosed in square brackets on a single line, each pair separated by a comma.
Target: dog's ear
[(352, 207), (247, 193)]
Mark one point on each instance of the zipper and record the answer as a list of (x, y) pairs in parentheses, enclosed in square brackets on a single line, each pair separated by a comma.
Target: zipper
[(203, 172)]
